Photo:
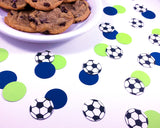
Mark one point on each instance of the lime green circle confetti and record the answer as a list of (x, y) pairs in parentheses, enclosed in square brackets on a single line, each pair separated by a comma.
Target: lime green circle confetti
[(142, 76), (120, 9), (14, 91), (156, 31), (123, 38), (3, 54), (153, 119), (59, 62), (100, 49)]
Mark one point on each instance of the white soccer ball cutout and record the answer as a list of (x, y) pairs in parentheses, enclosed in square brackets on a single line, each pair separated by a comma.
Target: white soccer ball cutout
[(41, 108), (93, 110), (92, 67), (114, 52), (134, 86), (44, 56), (135, 118), (146, 60), (106, 27), (136, 23), (140, 8), (154, 39)]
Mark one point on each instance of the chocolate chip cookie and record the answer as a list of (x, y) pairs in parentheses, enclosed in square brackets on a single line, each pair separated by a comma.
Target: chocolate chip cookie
[(19, 20), (13, 4), (51, 22), (44, 4), (80, 9)]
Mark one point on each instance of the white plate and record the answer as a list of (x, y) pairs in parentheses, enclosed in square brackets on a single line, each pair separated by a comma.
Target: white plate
[(72, 31)]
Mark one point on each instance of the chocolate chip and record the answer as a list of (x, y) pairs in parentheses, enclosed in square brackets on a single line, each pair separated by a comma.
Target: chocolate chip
[(13, 1), (46, 32), (14, 5), (62, 24), (22, 17), (11, 13), (43, 21), (46, 4), (31, 19), (34, 0), (77, 21), (63, 9)]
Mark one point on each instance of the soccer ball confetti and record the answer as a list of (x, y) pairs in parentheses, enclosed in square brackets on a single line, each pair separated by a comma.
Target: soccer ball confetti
[(140, 8), (93, 110), (92, 67), (136, 23), (114, 52), (41, 108), (106, 27), (134, 86), (146, 60), (154, 39), (135, 118), (44, 56)]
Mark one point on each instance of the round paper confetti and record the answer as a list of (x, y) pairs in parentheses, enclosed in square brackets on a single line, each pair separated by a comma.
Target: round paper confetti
[(149, 14), (110, 11), (156, 56), (134, 86), (94, 110), (142, 76), (3, 54), (44, 56), (146, 60), (114, 52), (120, 9), (100, 49), (110, 35), (7, 77), (153, 119), (45, 70), (156, 31), (154, 39), (135, 118), (87, 78), (59, 62), (92, 67), (106, 27), (14, 91), (41, 108), (123, 38), (140, 8), (58, 97), (136, 23)]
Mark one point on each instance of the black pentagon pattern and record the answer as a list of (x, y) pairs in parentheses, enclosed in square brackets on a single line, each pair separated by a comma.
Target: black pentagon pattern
[(93, 65), (138, 122), (91, 107), (39, 105)]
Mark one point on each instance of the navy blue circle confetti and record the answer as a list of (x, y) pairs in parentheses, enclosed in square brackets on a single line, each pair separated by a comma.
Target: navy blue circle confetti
[(110, 11), (87, 78), (156, 56), (149, 14), (45, 70), (110, 35), (58, 97), (7, 77)]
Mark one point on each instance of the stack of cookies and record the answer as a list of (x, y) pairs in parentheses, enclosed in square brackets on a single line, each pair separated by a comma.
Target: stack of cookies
[(44, 16)]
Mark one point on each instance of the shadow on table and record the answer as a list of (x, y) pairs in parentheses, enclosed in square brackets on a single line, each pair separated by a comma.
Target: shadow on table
[(77, 44)]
